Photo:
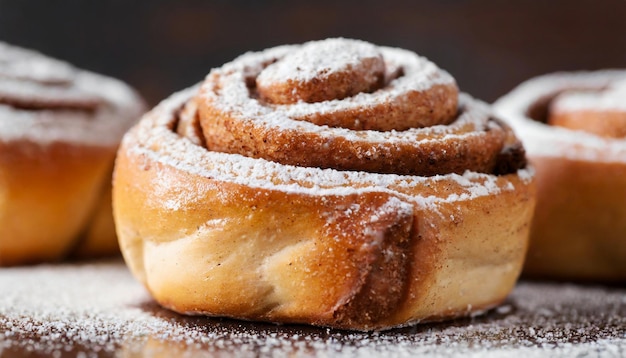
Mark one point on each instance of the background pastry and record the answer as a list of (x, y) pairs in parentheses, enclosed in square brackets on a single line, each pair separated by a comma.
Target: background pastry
[(334, 183), (59, 131), (573, 126)]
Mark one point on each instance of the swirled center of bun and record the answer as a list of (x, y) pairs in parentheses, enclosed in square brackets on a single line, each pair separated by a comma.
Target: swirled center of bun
[(322, 71), (600, 112)]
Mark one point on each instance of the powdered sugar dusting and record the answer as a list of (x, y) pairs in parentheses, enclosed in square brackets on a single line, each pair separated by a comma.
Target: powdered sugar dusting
[(99, 309), (154, 140), (552, 141), (83, 107), (392, 206), (418, 115), (315, 59), (611, 98), (226, 89), (25, 64)]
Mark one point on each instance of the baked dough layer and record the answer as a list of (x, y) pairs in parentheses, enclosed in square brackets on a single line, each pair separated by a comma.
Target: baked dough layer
[(224, 233), (59, 131), (579, 229)]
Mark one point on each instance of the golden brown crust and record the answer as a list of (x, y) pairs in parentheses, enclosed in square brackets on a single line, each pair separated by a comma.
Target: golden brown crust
[(579, 225), (184, 254), (273, 271), (99, 238), (579, 236), (225, 234), (59, 130), (44, 208)]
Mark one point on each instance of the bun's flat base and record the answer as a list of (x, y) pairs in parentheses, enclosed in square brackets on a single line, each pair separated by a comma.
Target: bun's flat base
[(100, 309)]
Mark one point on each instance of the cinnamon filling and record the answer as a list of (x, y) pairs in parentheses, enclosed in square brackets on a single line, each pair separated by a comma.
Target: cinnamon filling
[(322, 71), (598, 111), (348, 105)]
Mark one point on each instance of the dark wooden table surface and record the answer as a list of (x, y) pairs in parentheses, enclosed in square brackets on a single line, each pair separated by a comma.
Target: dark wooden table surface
[(98, 309)]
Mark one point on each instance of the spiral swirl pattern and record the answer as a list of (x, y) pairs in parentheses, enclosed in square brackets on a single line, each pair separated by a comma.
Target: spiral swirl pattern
[(333, 183), (414, 124), (573, 126)]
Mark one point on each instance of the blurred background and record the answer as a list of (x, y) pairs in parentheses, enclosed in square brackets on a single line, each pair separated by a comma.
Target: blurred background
[(162, 46)]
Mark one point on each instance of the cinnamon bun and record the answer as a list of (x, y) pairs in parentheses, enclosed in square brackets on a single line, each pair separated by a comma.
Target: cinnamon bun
[(335, 183), (573, 126), (59, 132)]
